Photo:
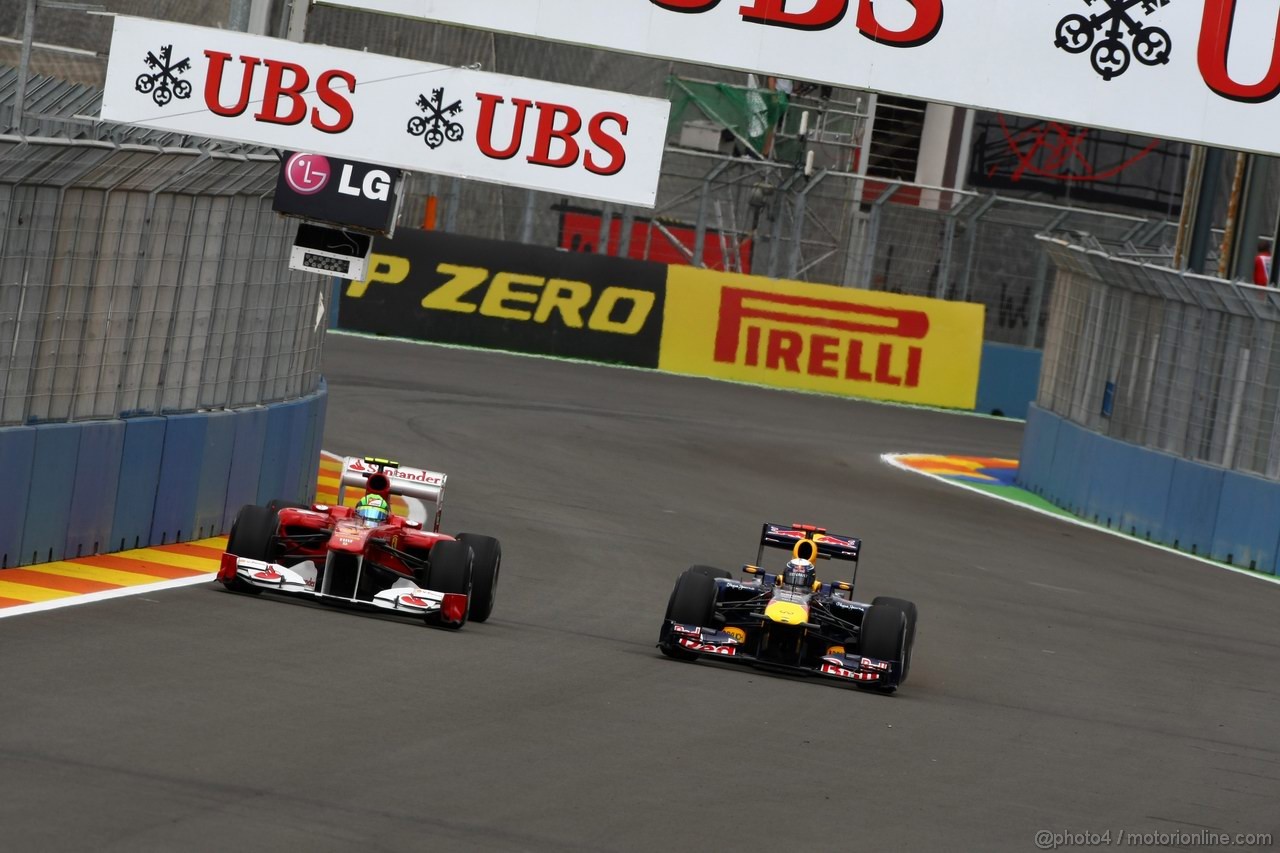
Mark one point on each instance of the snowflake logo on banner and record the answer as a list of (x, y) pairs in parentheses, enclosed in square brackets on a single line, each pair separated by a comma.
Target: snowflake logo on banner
[(436, 126), (163, 85), (1111, 56)]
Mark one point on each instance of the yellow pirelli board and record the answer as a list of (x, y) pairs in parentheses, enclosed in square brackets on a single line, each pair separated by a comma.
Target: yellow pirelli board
[(816, 337)]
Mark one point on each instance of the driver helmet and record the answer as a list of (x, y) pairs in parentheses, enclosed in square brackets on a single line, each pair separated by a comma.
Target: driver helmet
[(373, 510), (799, 575)]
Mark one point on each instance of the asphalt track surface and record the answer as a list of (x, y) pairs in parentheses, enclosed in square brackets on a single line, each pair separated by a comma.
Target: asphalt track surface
[(1064, 679)]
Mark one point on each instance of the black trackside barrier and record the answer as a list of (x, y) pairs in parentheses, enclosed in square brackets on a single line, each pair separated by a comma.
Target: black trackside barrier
[(465, 290)]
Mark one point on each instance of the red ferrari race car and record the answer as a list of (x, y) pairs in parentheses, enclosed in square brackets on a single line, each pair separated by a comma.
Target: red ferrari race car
[(366, 557)]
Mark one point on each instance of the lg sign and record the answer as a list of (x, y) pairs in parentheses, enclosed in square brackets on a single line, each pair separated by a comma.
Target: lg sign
[(307, 174), (411, 115), (341, 192)]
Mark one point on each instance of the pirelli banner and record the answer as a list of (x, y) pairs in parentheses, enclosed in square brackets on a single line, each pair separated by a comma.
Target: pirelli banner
[(837, 340), (465, 290), (860, 343)]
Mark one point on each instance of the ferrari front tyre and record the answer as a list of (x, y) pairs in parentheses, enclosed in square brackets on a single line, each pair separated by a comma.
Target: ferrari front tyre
[(251, 537), (484, 573), (449, 570), (909, 611), (692, 602), (883, 636)]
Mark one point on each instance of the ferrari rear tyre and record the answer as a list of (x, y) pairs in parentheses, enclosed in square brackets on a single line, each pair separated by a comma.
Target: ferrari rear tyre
[(449, 570), (909, 611), (883, 636), (484, 573), (251, 537), (693, 602), (711, 571)]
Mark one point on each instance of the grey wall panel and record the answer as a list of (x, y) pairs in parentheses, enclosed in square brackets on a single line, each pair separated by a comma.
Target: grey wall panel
[(120, 295)]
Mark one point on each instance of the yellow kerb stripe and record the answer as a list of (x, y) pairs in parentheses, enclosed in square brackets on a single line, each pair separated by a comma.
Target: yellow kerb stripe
[(166, 558), (26, 592), (93, 573)]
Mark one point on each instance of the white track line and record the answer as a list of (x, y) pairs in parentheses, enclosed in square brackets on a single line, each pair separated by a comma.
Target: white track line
[(893, 459), (92, 597)]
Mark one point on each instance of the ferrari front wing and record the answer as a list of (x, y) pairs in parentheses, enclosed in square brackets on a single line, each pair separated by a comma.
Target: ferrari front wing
[(404, 596)]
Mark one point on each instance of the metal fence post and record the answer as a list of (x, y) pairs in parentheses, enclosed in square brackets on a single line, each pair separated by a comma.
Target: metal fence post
[(700, 224), (526, 220), (779, 205), (872, 242), (1036, 303), (606, 220), (797, 223), (971, 247)]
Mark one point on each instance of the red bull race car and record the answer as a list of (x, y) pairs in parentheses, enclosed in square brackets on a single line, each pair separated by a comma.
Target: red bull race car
[(790, 621), (366, 557)]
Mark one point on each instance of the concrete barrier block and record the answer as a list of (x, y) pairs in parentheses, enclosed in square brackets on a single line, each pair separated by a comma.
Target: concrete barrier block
[(17, 456), (1247, 529), (53, 480), (316, 406), (139, 474), (282, 465), (182, 459), (1065, 485), (1107, 466), (246, 462), (1195, 493), (1146, 495), (1039, 439), (214, 474), (1008, 380), (93, 500)]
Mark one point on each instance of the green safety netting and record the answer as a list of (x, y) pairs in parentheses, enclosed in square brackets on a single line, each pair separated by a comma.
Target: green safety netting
[(750, 114)]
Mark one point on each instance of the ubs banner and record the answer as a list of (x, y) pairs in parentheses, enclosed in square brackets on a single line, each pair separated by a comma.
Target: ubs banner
[(465, 290), (818, 337), (1204, 71), (380, 109)]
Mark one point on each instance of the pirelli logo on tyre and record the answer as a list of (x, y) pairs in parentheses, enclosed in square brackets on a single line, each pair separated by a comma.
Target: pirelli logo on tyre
[(822, 338), (466, 290)]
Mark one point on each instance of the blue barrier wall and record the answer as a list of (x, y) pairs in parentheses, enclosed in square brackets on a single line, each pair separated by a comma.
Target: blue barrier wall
[(17, 454), (88, 528), (182, 463), (53, 480), (246, 460), (100, 486), (134, 495), (1008, 380), (1198, 508)]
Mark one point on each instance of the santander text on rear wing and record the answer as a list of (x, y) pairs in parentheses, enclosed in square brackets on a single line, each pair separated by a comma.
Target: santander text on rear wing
[(399, 480)]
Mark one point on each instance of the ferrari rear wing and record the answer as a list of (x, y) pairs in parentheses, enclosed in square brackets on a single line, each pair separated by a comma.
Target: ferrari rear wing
[(402, 480), (822, 545)]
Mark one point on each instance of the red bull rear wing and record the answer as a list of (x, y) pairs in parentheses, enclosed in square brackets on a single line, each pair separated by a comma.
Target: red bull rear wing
[(823, 545)]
